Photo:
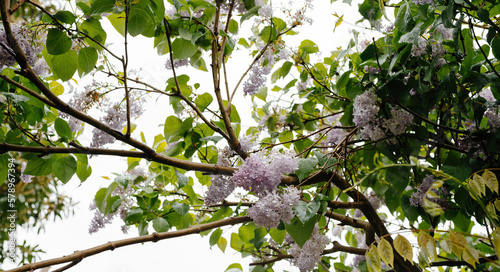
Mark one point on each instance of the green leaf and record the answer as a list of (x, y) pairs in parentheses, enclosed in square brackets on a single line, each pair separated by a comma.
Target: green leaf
[(299, 231), (214, 237), (277, 235), (65, 65), (412, 36), (306, 166), (306, 211), (160, 224), (92, 27), (139, 21), (39, 167), (134, 215), (233, 26), (87, 58), (183, 49), (118, 22), (102, 6), (64, 168), (180, 208), (308, 47), (83, 171), (204, 101), (62, 128), (65, 16), (495, 47), (221, 214), (181, 178), (4, 171), (404, 20), (58, 42)]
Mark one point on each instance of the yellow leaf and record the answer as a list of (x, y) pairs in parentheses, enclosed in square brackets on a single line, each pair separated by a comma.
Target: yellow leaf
[(496, 241), (161, 147), (222, 244), (339, 21), (432, 208), (373, 259), (476, 184), (491, 210), (105, 177), (56, 88), (471, 256), (385, 252), (445, 245), (497, 204), (132, 128), (428, 245), (403, 247), (458, 243), (490, 180)]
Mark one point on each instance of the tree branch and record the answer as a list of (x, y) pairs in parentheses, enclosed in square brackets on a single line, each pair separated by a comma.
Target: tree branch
[(155, 237)]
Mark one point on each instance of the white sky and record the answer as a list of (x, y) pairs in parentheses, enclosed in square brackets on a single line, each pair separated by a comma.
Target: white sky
[(189, 253)]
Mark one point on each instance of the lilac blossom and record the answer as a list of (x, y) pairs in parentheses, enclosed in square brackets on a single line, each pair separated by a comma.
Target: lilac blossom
[(262, 174), (399, 121), (266, 11), (337, 230), (438, 49), (255, 81), (308, 257), (493, 118), (246, 144), (274, 207), (27, 40), (177, 63), (99, 220), (423, 2), (371, 69), (372, 132), (487, 94), (417, 198), (440, 63), (25, 178), (335, 136), (421, 49), (116, 118), (446, 33), (365, 108), (221, 187)]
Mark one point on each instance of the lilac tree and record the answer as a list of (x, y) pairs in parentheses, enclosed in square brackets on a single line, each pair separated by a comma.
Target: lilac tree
[(380, 156)]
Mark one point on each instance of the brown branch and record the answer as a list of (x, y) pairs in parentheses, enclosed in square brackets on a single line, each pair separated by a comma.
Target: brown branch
[(155, 237), (16, 6), (337, 247)]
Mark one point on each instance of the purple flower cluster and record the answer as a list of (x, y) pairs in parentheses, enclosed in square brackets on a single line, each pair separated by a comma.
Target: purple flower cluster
[(446, 33), (221, 187), (308, 257), (493, 118), (116, 117), (417, 198), (365, 108), (423, 2), (261, 174), (177, 63), (421, 49), (273, 207), (99, 221), (335, 136), (83, 101), (25, 178), (399, 121), (30, 43)]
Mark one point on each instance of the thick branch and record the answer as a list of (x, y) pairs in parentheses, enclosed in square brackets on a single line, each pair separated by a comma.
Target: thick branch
[(337, 247), (155, 237)]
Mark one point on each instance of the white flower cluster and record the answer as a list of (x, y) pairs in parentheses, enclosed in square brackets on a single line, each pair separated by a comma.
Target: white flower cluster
[(307, 257)]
